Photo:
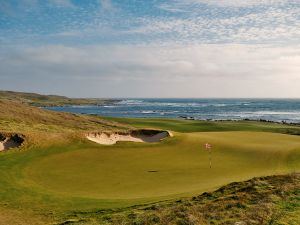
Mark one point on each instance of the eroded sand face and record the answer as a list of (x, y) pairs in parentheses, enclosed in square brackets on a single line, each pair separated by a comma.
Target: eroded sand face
[(149, 136), (8, 141)]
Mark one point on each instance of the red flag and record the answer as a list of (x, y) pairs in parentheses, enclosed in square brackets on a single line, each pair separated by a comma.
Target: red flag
[(208, 146)]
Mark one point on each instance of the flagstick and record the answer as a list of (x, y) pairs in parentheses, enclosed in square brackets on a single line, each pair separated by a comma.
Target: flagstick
[(209, 148), (210, 158)]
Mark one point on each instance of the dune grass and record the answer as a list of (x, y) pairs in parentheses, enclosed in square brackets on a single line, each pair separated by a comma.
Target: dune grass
[(259, 201), (51, 100), (15, 116)]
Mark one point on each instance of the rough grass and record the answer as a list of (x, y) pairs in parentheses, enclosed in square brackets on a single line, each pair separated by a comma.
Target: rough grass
[(43, 128), (259, 201), (15, 116), (51, 100)]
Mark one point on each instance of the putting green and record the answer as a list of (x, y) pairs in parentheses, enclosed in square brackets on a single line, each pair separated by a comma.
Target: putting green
[(178, 166)]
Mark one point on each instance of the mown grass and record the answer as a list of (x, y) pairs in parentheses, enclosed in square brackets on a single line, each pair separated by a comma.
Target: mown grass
[(187, 126), (180, 166), (86, 177), (62, 177)]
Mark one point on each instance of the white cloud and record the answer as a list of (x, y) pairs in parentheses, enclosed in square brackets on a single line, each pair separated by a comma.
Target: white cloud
[(271, 25), (191, 23), (230, 3), (149, 71)]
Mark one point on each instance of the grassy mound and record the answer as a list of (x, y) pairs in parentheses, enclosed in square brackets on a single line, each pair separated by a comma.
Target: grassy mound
[(16, 117), (51, 100), (259, 201)]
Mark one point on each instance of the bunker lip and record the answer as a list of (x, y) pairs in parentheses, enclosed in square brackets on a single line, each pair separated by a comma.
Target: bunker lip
[(10, 140), (141, 135)]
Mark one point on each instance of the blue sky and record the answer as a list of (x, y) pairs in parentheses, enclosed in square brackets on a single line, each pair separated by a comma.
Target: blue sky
[(143, 48)]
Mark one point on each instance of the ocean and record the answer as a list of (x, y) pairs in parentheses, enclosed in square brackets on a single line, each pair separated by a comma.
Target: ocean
[(277, 110)]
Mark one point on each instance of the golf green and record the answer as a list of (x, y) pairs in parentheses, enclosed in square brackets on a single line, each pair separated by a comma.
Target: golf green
[(178, 166)]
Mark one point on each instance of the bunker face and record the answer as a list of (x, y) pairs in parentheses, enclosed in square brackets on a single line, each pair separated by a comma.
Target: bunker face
[(149, 136), (8, 141)]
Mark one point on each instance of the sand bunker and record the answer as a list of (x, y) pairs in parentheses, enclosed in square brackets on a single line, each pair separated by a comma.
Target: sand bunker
[(8, 141), (150, 136)]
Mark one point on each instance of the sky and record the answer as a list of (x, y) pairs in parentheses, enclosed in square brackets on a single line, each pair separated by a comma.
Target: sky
[(151, 48)]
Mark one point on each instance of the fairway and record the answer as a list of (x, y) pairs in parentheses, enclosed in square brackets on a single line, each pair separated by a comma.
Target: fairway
[(178, 166)]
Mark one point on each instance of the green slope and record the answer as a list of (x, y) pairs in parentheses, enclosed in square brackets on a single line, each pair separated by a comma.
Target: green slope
[(181, 166), (259, 201), (61, 174)]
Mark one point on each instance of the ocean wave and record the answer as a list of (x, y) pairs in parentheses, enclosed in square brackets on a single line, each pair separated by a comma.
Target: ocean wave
[(80, 106), (130, 102), (110, 106), (277, 112), (215, 109), (148, 112), (170, 104)]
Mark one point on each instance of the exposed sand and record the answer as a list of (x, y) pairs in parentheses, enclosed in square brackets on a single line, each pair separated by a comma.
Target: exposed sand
[(149, 136), (10, 141)]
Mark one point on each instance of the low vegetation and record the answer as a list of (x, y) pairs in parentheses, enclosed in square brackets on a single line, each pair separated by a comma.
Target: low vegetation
[(15, 116), (57, 176), (187, 126), (259, 201), (51, 100)]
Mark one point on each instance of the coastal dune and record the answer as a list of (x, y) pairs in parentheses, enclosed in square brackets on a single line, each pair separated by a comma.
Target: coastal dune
[(110, 138)]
